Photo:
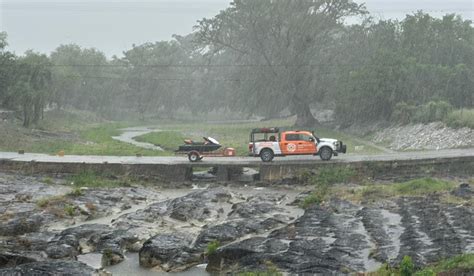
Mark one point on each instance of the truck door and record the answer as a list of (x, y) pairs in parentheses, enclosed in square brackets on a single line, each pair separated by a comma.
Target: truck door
[(298, 143), (307, 143)]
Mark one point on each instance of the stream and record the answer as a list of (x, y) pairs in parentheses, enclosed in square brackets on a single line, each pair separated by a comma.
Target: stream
[(128, 135)]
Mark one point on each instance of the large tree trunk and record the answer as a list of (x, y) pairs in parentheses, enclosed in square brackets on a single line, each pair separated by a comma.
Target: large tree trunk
[(26, 115), (304, 117), (37, 111)]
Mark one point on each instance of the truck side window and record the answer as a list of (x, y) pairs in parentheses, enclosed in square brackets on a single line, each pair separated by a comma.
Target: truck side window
[(292, 137), (306, 137)]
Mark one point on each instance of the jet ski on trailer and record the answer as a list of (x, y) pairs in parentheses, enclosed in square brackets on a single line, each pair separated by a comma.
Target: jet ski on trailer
[(209, 147)]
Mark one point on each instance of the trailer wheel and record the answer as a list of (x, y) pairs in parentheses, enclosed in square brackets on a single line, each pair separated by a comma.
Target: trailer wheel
[(325, 153), (266, 155), (194, 156)]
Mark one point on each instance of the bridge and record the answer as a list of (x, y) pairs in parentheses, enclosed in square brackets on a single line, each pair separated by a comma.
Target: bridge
[(402, 165)]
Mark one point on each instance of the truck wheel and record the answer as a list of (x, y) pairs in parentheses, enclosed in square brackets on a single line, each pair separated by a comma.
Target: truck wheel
[(325, 153), (194, 156), (266, 155)]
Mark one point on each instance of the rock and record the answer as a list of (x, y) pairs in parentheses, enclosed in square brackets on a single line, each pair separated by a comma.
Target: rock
[(24, 223), (11, 259), (61, 251), (232, 230), (169, 252), (50, 268), (111, 257), (464, 191)]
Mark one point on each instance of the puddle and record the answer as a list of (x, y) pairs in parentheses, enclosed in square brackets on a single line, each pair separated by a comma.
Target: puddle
[(131, 266)]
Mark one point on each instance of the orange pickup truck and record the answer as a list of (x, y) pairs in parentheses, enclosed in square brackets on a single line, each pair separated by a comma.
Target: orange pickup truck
[(267, 143)]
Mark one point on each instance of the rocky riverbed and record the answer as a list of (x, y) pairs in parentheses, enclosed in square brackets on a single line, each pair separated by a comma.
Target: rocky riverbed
[(49, 227)]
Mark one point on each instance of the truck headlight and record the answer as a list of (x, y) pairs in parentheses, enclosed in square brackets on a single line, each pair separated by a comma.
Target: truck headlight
[(335, 143)]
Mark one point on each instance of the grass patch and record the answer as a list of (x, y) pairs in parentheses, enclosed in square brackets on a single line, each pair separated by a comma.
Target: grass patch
[(372, 192), (82, 133), (51, 201), (48, 180), (168, 140), (95, 140), (322, 181), (92, 180), (461, 263), (271, 270), (422, 186), (457, 265)]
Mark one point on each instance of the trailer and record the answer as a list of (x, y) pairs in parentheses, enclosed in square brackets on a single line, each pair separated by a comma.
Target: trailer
[(196, 151)]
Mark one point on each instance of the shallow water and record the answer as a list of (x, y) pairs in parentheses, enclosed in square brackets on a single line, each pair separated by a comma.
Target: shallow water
[(129, 133), (131, 266)]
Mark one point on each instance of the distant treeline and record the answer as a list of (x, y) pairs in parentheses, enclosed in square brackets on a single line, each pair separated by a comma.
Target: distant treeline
[(260, 58)]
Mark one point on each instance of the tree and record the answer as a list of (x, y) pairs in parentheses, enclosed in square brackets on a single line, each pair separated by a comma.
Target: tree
[(32, 86), (7, 64), (157, 77), (289, 41)]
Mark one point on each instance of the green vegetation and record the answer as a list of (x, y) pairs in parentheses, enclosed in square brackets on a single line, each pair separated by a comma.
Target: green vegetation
[(51, 201), (70, 210), (461, 118), (322, 181), (168, 140), (77, 191), (212, 247), (406, 266), (457, 264), (419, 187), (271, 270), (422, 186), (48, 180), (431, 112), (453, 266), (96, 140), (90, 179), (236, 135), (371, 71)]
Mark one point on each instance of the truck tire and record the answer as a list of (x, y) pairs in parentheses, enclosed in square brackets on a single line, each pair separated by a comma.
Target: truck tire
[(266, 155), (194, 156), (325, 153)]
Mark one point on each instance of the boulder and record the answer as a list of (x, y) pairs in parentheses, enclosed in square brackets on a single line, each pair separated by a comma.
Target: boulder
[(169, 252), (52, 268)]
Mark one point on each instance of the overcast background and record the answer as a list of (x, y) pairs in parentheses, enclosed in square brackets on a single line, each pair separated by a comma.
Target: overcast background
[(113, 26)]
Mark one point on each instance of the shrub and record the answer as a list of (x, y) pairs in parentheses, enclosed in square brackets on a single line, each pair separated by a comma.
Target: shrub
[(76, 192), (406, 266), (403, 113), (432, 112), (70, 210), (212, 247), (461, 118)]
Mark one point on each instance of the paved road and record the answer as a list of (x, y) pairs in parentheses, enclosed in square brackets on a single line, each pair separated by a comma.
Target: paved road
[(231, 160)]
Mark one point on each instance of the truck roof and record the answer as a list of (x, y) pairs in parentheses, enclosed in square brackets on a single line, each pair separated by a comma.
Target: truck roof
[(266, 130)]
